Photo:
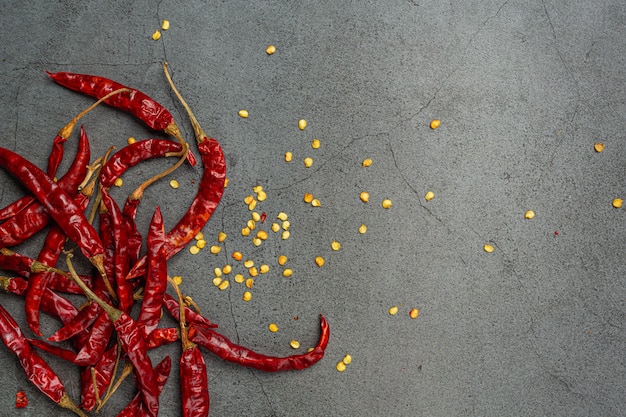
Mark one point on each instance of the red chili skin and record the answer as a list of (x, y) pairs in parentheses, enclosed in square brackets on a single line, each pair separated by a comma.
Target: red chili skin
[(15, 207), (135, 240), (61, 207), (136, 407), (13, 261), (137, 103), (194, 383), (60, 352), (209, 194), (221, 346), (104, 374), (161, 336), (156, 280), (97, 342), (191, 316)]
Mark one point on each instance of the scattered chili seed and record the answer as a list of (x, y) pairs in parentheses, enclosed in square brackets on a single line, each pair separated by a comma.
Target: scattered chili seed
[(257, 188), (308, 197), (248, 199), (199, 236), (156, 35), (262, 234), (617, 203), (178, 279), (414, 313), (255, 216), (315, 144), (366, 162), (365, 196), (221, 237), (194, 250), (429, 196), (362, 229), (285, 235), (238, 256), (174, 184), (301, 124), (215, 249), (335, 245), (286, 225), (282, 260), (347, 359), (224, 285), (239, 278), (251, 224), (201, 243), (294, 344), (252, 205), (227, 269), (243, 114), (340, 366), (316, 203), (529, 214), (319, 261), (131, 140), (226, 181), (263, 269), (270, 50), (245, 231), (118, 182), (386, 203), (488, 248), (165, 25), (282, 216), (250, 282), (249, 263), (308, 162), (275, 227), (435, 124), (217, 281), (253, 271), (217, 272), (256, 241), (393, 310), (598, 147), (247, 296), (261, 196), (273, 327), (288, 156), (287, 272)]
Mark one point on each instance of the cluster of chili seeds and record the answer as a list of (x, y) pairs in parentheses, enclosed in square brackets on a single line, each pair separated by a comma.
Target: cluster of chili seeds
[(107, 343)]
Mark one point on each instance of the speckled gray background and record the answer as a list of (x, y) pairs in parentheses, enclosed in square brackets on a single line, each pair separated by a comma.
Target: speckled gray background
[(523, 89)]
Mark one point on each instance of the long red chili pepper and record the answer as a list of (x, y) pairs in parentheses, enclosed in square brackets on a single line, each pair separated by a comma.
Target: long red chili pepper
[(101, 374), (191, 316), (97, 342), (136, 407), (37, 370), (209, 193), (231, 352), (135, 102)]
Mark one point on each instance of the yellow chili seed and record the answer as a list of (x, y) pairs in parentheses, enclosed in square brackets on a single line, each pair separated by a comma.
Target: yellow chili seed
[(199, 236), (239, 278), (248, 199), (215, 249), (251, 224), (285, 235), (250, 282), (393, 310), (273, 327), (282, 216), (217, 281), (347, 360), (223, 285), (414, 313), (247, 296), (488, 248), (435, 124), (308, 197), (256, 241), (257, 188), (227, 269), (287, 272), (617, 203), (174, 184), (118, 182), (598, 147), (131, 140), (270, 50), (335, 245), (294, 344), (286, 225), (238, 256), (249, 263), (315, 144), (243, 114), (366, 162), (365, 196), (282, 260), (201, 243), (256, 216), (245, 231), (156, 35), (221, 237), (429, 196), (194, 250), (165, 25), (362, 229), (340, 366), (386, 203), (275, 227), (261, 196), (308, 162), (316, 203), (319, 261), (264, 269), (217, 272), (529, 214), (288, 156), (178, 279), (253, 271), (226, 181), (252, 205), (301, 124), (262, 235)]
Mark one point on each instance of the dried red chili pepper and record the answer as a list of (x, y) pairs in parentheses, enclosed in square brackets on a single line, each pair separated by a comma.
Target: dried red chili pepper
[(136, 407), (135, 102), (231, 352), (95, 345), (37, 370), (99, 375), (55, 350), (191, 316), (161, 336)]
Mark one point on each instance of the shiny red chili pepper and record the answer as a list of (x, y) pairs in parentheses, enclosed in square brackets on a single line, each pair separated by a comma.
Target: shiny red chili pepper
[(135, 102), (191, 316), (103, 373), (221, 346), (136, 408), (55, 350), (161, 336), (36, 369), (95, 345)]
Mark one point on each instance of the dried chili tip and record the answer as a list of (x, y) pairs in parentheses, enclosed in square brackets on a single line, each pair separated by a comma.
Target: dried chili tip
[(21, 400)]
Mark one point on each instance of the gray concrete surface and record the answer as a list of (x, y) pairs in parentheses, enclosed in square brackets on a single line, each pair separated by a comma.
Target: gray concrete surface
[(523, 89)]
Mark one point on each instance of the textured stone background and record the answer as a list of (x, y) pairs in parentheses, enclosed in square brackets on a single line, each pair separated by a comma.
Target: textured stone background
[(523, 89)]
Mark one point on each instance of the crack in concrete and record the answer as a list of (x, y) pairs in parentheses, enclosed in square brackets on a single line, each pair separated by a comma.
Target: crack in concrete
[(265, 393)]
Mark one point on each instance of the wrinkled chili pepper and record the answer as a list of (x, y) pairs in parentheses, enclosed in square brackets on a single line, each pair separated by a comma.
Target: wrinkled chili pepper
[(191, 316), (136, 407), (209, 193), (221, 346), (161, 336), (55, 350), (135, 102), (101, 374), (97, 342), (37, 370)]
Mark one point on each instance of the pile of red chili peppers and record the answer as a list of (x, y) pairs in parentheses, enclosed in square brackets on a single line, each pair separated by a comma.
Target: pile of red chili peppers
[(106, 341)]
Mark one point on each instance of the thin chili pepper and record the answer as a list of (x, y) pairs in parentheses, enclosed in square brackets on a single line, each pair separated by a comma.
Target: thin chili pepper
[(15, 207), (135, 102), (13, 261), (97, 342), (37, 370), (57, 351), (61, 207), (99, 376), (209, 193), (172, 306), (221, 346), (136, 407), (132, 343), (156, 280)]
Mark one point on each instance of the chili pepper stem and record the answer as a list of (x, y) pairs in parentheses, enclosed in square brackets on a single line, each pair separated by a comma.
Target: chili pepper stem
[(91, 169), (184, 334), (66, 402), (98, 262), (126, 370)]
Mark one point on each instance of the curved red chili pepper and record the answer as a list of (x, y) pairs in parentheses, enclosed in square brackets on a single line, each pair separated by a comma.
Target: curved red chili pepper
[(103, 372), (97, 342), (194, 383), (191, 316), (231, 352), (57, 351), (136, 407)]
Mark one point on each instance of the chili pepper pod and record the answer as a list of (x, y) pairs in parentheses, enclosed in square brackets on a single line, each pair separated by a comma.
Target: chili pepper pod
[(191, 316), (136, 407), (36, 369), (97, 377), (95, 345)]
